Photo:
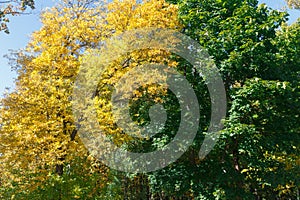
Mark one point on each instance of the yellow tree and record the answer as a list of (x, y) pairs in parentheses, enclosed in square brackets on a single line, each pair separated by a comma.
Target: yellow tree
[(38, 134)]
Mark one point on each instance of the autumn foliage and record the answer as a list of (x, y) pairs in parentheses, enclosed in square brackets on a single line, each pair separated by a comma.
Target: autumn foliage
[(42, 155)]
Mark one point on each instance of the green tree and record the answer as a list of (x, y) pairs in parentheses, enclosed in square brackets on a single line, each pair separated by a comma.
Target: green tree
[(256, 156)]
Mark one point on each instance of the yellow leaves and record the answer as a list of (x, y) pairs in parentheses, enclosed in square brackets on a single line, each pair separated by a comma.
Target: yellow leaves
[(290, 161), (293, 4), (122, 16), (285, 189), (244, 170), (129, 14), (38, 118)]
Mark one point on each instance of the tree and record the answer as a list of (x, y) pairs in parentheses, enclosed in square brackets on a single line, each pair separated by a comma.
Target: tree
[(41, 146), (12, 8), (40, 136), (255, 156)]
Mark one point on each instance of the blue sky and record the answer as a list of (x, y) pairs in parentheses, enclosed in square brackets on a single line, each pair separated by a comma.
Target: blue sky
[(21, 28)]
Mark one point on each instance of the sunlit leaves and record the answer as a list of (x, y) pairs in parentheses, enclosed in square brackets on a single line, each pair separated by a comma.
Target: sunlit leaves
[(39, 135), (293, 4)]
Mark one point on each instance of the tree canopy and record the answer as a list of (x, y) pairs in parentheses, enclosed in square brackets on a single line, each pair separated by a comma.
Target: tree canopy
[(257, 155)]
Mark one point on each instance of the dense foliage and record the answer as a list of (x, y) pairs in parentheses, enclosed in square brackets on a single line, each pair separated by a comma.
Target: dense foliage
[(257, 155)]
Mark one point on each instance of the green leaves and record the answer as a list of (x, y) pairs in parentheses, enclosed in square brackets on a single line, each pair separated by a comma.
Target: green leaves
[(238, 34), (258, 57), (257, 156)]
